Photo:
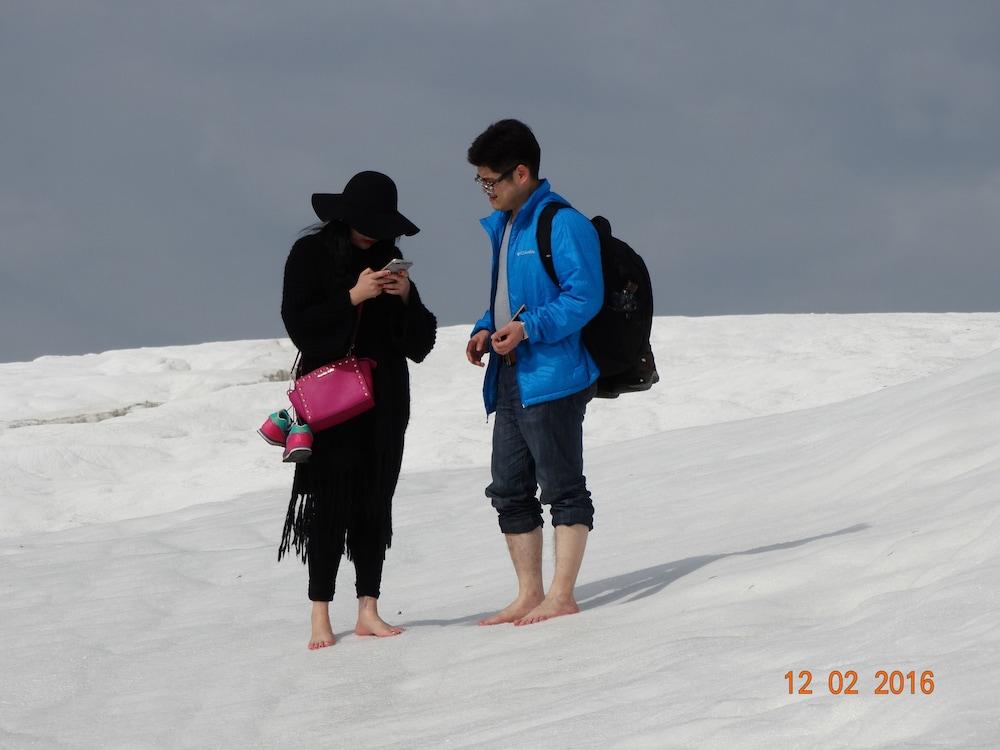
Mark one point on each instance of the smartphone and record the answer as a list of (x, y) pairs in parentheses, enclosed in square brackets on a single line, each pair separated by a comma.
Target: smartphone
[(397, 264)]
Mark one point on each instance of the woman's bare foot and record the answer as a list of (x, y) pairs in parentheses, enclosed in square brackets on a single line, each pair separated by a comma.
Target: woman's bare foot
[(322, 631), (549, 608), (515, 610), (369, 622)]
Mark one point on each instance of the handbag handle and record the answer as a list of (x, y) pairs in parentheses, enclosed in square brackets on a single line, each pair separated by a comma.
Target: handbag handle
[(350, 350)]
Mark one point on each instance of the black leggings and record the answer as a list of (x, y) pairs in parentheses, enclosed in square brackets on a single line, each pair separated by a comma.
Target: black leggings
[(323, 565)]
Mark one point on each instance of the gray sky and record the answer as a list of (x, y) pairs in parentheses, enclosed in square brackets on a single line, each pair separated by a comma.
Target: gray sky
[(156, 160)]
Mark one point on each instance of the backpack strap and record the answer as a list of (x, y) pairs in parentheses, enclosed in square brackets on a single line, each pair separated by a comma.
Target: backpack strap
[(543, 237)]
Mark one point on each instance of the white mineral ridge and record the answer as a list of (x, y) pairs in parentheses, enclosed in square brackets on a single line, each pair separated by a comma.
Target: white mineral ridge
[(799, 492)]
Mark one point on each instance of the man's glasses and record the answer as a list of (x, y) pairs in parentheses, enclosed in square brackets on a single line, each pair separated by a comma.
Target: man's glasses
[(489, 186)]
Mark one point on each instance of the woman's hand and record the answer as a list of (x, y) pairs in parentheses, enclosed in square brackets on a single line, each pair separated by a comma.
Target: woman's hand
[(398, 284), (370, 285)]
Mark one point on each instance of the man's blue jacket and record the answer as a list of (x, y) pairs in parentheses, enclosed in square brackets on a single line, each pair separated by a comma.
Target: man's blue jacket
[(553, 361)]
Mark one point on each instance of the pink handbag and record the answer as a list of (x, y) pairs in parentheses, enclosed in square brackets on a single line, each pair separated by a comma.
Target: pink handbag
[(334, 393)]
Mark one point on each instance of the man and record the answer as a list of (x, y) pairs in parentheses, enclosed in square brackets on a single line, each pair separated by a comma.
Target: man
[(540, 376)]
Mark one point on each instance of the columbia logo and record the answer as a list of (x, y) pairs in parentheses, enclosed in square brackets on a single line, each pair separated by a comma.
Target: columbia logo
[(529, 251)]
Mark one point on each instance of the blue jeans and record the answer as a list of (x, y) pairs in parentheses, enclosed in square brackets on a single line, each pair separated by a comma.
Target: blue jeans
[(540, 445)]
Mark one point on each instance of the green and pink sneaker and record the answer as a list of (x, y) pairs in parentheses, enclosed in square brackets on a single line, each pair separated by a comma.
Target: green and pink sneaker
[(275, 428), (298, 444)]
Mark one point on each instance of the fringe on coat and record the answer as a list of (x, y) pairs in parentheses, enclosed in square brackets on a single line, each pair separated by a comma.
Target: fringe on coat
[(349, 511)]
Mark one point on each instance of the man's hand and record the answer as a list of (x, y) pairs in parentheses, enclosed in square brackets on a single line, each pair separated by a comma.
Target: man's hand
[(476, 348), (507, 338), (398, 284)]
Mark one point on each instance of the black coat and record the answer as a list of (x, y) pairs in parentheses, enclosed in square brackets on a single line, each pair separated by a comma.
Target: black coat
[(343, 494)]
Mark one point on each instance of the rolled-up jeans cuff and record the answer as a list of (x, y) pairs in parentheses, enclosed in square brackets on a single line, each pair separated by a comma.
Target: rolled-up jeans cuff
[(520, 525), (572, 518)]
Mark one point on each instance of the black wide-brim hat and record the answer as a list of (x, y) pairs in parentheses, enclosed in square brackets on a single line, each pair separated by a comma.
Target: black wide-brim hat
[(367, 205)]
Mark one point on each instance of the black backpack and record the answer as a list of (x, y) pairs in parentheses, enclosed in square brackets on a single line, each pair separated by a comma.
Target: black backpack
[(618, 336)]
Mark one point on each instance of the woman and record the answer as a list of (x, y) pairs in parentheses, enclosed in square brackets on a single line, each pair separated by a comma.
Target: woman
[(342, 498)]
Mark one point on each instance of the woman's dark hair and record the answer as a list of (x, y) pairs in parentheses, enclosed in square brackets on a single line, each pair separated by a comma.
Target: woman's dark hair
[(334, 226), (316, 228), (504, 145)]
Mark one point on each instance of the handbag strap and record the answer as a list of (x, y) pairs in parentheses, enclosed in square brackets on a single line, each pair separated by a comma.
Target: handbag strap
[(357, 325), (350, 351)]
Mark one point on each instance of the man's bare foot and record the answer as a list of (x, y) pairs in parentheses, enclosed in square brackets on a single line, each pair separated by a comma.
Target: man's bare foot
[(322, 631), (551, 607), (369, 621), (515, 610)]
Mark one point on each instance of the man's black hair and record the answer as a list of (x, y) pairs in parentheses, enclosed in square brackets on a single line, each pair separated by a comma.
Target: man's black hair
[(504, 145)]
